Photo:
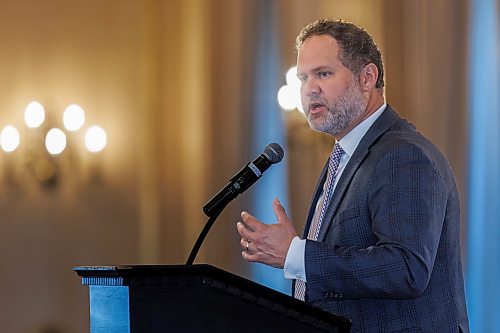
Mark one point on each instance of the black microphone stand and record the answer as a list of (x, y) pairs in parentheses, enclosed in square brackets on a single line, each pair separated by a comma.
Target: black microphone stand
[(237, 185), (201, 237)]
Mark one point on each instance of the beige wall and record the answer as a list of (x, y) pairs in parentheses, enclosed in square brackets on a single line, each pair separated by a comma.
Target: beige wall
[(60, 52), (171, 82)]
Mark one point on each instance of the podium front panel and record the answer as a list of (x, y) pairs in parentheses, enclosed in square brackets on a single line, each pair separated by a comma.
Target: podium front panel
[(197, 298)]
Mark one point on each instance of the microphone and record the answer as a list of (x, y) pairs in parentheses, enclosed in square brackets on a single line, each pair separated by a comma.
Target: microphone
[(246, 177)]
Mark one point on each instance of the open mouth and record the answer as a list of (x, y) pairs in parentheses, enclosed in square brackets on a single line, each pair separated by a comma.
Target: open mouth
[(315, 107)]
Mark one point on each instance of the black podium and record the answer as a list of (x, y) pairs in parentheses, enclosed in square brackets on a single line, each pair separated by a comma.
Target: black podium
[(197, 298)]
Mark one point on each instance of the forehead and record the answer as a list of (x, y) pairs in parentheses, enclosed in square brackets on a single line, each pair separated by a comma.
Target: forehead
[(318, 51)]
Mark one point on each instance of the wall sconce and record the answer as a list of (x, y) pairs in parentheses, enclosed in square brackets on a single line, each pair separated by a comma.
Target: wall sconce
[(47, 150)]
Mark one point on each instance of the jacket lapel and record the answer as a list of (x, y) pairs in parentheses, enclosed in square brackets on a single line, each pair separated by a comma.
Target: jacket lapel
[(380, 126)]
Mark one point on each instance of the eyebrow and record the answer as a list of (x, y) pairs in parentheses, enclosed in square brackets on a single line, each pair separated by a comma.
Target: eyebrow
[(319, 68)]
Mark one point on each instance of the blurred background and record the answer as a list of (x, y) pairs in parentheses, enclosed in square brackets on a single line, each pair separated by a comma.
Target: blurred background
[(173, 97)]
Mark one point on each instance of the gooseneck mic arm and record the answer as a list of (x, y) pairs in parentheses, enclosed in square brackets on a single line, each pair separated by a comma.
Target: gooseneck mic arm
[(246, 177), (201, 238)]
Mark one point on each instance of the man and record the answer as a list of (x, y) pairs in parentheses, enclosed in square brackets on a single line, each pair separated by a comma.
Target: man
[(382, 240)]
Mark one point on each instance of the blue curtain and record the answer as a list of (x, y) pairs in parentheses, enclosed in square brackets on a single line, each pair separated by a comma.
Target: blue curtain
[(483, 236), (267, 127)]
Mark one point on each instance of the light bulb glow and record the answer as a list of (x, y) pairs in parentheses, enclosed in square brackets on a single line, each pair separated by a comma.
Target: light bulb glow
[(291, 77), (285, 98), (34, 114), (289, 95), (9, 139), (95, 139), (73, 117), (55, 141)]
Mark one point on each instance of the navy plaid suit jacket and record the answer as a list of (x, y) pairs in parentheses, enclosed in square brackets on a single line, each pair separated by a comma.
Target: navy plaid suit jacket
[(388, 252)]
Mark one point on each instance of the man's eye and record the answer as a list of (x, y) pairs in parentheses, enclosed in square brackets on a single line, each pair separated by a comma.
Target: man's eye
[(324, 75)]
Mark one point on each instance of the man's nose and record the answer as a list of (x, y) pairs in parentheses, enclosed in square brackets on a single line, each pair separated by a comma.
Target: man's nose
[(311, 87)]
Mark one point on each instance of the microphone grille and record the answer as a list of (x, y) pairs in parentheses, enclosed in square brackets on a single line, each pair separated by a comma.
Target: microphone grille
[(274, 153)]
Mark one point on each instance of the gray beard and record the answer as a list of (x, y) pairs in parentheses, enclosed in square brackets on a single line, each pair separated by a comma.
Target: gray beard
[(341, 113)]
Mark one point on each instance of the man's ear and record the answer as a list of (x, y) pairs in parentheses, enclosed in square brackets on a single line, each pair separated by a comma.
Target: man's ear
[(368, 77)]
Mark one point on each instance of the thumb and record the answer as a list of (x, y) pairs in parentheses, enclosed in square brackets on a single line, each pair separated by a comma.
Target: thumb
[(280, 212)]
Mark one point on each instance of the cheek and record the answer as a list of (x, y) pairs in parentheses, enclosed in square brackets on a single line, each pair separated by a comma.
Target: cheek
[(334, 91), (303, 101), (302, 94)]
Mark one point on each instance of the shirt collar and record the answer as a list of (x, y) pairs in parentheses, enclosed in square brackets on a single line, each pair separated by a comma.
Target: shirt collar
[(351, 140)]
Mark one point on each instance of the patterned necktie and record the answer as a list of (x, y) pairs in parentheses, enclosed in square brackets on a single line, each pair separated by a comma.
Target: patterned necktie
[(322, 204)]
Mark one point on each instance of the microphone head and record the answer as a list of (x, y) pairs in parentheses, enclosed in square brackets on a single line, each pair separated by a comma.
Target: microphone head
[(274, 153)]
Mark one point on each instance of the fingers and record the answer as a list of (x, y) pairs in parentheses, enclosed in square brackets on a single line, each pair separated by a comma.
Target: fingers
[(279, 211), (249, 226), (244, 232), (266, 243), (245, 244), (251, 252), (247, 256), (247, 253), (250, 221)]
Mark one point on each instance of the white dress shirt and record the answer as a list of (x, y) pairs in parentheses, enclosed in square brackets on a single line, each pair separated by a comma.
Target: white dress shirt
[(294, 263)]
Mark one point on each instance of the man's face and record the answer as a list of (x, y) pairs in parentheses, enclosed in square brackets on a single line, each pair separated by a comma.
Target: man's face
[(330, 93)]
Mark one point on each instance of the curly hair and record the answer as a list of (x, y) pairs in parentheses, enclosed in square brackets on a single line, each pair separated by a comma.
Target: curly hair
[(357, 48)]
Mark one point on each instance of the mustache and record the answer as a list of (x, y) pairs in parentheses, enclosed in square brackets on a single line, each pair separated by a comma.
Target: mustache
[(315, 102)]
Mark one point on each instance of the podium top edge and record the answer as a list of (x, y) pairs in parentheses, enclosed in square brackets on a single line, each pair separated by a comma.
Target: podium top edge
[(133, 267), (119, 270)]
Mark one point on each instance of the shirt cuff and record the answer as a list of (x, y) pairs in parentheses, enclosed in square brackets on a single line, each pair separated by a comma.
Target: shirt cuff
[(294, 262)]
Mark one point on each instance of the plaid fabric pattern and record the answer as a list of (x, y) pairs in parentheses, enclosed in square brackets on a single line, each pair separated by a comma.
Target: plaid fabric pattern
[(388, 252), (333, 165)]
